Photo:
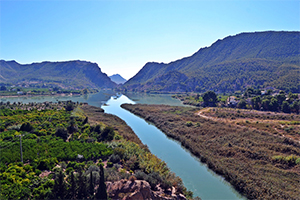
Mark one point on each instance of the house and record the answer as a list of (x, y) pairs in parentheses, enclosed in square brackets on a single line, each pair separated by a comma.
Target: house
[(232, 101)]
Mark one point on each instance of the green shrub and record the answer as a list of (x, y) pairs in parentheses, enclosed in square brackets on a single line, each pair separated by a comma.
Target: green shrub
[(109, 164), (114, 158), (189, 124)]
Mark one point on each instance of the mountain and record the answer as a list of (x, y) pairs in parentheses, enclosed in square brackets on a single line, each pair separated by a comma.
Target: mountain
[(258, 59), (69, 74), (118, 79)]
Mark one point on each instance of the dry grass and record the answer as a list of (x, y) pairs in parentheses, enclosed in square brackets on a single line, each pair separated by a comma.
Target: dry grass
[(244, 155)]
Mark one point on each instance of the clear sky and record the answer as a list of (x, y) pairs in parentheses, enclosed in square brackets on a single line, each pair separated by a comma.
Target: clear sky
[(122, 36)]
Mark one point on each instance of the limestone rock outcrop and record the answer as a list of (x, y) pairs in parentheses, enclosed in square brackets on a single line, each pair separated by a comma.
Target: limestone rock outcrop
[(137, 190)]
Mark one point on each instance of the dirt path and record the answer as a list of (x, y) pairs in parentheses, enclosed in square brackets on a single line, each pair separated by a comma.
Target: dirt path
[(234, 122)]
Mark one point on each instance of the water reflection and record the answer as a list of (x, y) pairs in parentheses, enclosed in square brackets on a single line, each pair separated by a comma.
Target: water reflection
[(146, 98)]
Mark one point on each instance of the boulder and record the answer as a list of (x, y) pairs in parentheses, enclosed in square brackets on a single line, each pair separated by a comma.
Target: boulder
[(137, 190)]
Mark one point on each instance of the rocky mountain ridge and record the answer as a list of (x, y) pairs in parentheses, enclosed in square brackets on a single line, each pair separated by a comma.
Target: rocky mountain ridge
[(67, 74), (258, 59)]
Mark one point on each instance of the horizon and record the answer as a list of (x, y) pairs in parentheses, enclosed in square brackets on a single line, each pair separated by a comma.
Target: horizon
[(147, 62), (122, 36)]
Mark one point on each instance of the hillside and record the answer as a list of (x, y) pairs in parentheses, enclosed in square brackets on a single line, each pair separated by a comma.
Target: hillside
[(68, 74), (118, 79), (259, 59)]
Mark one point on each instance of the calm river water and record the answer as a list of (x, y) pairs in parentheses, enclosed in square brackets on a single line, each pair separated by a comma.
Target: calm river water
[(195, 175)]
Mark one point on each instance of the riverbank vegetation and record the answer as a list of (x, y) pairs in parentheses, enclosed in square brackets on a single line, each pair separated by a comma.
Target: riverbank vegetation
[(68, 152), (257, 158), (9, 90), (266, 100)]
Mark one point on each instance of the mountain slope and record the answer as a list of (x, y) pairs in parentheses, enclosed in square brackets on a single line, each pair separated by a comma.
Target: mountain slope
[(118, 79), (68, 74), (257, 59)]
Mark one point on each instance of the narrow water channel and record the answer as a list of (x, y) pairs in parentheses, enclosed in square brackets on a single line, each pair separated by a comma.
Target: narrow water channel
[(195, 175)]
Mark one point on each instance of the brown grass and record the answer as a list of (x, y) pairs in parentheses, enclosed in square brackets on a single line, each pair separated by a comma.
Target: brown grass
[(245, 156)]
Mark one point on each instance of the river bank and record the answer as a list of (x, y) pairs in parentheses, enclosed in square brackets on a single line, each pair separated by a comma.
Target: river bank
[(248, 159)]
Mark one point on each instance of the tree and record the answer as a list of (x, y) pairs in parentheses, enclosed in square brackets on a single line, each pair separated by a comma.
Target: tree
[(210, 98), (82, 192), (285, 107), (91, 185), (73, 186), (26, 127), (273, 106), (62, 133), (295, 107), (69, 106), (2, 88), (256, 101), (280, 97), (60, 186), (108, 134), (266, 104), (72, 127), (101, 191), (97, 128), (242, 104), (86, 120)]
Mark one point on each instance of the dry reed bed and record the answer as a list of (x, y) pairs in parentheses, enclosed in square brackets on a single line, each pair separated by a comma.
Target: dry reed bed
[(258, 164)]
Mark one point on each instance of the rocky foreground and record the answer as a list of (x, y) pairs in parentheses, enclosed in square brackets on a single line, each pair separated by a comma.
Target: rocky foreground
[(139, 189)]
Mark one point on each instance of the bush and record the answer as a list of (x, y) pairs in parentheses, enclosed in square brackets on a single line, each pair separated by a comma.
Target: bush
[(114, 158), (189, 124), (70, 106), (109, 164), (26, 127), (62, 133), (69, 170), (108, 134), (141, 175), (97, 128)]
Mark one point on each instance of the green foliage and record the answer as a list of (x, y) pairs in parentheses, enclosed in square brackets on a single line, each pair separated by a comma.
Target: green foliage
[(69, 106), (101, 191), (62, 133), (210, 98), (189, 124), (285, 107), (54, 152), (45, 164), (26, 127), (242, 104)]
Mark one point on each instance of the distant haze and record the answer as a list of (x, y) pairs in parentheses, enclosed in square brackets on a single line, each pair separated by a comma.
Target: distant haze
[(118, 79)]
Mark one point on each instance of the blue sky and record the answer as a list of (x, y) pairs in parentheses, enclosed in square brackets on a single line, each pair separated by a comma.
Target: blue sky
[(122, 36)]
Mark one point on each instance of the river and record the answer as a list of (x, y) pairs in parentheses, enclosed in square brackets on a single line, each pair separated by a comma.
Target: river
[(194, 174)]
